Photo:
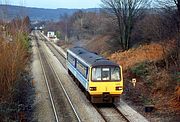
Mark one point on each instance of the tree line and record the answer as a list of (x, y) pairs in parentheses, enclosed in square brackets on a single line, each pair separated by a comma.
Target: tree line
[(129, 22)]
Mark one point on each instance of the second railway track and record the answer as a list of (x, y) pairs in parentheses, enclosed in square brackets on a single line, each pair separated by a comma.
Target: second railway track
[(61, 103)]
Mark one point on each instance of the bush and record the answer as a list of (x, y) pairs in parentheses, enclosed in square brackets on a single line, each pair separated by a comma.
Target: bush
[(13, 58), (140, 70)]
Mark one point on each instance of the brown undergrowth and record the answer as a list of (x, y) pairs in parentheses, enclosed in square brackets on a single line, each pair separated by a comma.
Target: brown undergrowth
[(15, 88), (96, 43), (150, 52), (157, 74), (13, 59)]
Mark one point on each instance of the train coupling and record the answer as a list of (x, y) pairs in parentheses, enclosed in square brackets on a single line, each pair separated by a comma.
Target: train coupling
[(106, 97)]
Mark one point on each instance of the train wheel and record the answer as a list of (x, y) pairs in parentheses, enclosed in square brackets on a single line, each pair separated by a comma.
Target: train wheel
[(77, 82), (116, 100), (69, 72)]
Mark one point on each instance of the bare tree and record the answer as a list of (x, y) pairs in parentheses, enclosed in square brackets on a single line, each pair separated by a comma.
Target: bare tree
[(173, 5), (126, 12), (177, 2)]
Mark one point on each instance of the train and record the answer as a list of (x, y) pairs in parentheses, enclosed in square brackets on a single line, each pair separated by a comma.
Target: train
[(101, 79)]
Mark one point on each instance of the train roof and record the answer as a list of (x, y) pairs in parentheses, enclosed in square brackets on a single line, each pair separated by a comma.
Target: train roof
[(91, 58)]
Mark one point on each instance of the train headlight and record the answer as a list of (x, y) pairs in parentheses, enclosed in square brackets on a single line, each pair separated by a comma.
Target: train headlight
[(92, 88), (119, 88)]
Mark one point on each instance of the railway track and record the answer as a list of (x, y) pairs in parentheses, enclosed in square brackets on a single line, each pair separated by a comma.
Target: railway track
[(61, 103), (61, 58), (109, 112)]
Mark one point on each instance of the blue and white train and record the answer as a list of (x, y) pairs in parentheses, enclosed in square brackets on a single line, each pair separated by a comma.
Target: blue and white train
[(102, 79)]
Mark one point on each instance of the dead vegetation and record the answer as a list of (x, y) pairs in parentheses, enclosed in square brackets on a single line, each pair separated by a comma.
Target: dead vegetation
[(156, 84), (149, 52), (13, 60), (96, 45), (14, 56)]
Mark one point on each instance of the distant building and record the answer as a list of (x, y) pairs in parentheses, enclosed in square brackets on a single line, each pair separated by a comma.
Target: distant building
[(40, 27), (51, 34)]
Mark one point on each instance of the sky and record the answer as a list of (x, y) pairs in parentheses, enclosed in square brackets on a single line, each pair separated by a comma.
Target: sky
[(53, 4)]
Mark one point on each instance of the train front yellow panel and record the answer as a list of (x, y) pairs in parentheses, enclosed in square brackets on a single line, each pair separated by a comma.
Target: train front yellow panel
[(115, 88)]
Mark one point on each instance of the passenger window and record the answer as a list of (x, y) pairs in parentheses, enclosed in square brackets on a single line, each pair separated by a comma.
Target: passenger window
[(71, 59), (81, 68)]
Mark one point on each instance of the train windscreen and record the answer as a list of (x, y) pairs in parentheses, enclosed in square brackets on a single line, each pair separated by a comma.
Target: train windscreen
[(105, 74)]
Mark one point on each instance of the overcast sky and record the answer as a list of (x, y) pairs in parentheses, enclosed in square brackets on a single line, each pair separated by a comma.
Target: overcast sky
[(54, 3)]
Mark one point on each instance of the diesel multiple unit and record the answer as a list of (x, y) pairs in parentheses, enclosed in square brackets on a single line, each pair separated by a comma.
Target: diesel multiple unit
[(101, 78)]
